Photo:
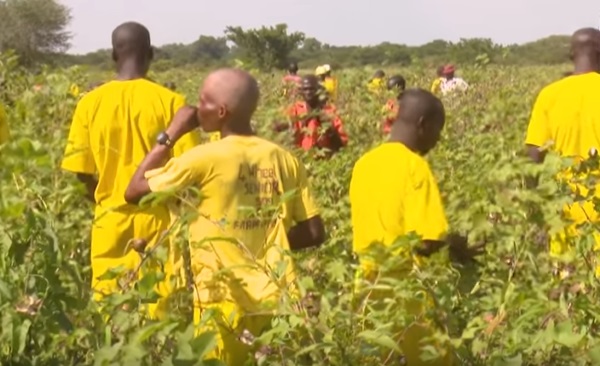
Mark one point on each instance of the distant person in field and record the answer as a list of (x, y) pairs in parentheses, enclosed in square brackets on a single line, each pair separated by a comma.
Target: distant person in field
[(328, 82), (393, 193), (314, 121), (566, 119), (113, 128), (377, 82), (291, 80), (171, 85), (230, 245), (4, 130), (396, 84), (452, 83), (436, 86)]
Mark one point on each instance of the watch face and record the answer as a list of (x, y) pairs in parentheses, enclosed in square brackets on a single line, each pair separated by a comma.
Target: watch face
[(163, 139)]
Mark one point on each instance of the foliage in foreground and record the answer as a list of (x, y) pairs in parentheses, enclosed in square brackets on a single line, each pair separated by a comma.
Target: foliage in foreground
[(510, 310)]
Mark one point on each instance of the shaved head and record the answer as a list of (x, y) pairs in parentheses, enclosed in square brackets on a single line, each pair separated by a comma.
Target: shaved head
[(229, 98), (420, 121), (586, 38), (585, 50), (234, 88), (416, 104), (131, 40)]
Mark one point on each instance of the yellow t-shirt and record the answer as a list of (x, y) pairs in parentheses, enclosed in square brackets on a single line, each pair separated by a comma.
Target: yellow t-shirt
[(567, 113), (234, 174), (4, 133), (330, 85), (394, 193), (376, 85), (114, 127), (436, 86)]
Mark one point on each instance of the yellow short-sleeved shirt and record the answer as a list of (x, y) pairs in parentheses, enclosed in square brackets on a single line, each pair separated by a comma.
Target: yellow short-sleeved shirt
[(4, 132), (233, 173), (394, 193), (436, 86), (330, 85), (113, 129), (376, 85), (567, 113)]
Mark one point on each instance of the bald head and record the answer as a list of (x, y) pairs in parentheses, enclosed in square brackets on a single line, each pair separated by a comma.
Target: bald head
[(420, 120), (419, 104), (131, 40), (234, 89), (585, 47)]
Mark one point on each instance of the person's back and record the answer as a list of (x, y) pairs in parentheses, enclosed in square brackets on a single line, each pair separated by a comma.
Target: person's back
[(385, 213), (113, 128), (568, 113), (120, 120), (235, 172)]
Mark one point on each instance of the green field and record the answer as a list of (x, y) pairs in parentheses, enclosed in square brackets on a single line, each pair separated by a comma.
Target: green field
[(500, 313)]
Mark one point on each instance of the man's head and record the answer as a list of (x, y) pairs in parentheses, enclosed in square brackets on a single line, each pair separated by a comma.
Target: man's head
[(379, 74), (448, 71), (396, 83), (585, 47), (421, 118), (131, 44), (311, 90), (293, 68), (228, 99)]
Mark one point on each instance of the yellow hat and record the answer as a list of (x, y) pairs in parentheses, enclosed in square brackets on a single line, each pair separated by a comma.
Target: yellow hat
[(319, 70), (326, 68)]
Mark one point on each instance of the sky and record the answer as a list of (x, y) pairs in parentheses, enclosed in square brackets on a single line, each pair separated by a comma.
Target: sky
[(337, 22)]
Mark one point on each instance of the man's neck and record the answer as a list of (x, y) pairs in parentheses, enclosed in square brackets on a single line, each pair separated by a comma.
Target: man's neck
[(585, 66), (244, 130)]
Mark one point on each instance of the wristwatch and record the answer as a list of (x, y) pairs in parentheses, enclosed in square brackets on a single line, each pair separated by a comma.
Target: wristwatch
[(164, 139)]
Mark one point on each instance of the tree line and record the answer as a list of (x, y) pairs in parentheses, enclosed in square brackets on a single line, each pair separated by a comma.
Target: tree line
[(36, 31)]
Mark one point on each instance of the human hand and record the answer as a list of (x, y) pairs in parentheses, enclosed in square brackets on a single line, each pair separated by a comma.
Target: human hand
[(461, 252)]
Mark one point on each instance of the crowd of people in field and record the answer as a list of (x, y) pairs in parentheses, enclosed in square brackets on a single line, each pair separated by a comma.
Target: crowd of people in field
[(131, 137)]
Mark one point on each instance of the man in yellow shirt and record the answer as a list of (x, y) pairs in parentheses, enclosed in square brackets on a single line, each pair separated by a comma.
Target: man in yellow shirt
[(329, 82), (4, 131), (377, 82), (393, 193), (114, 126), (436, 86), (567, 114), (256, 205)]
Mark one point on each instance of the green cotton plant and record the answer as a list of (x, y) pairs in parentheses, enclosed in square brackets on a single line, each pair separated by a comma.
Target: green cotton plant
[(509, 309)]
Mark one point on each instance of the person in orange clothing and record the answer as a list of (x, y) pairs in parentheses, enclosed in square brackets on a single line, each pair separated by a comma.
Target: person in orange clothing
[(114, 126), (566, 117), (397, 84), (236, 237), (314, 121), (291, 80)]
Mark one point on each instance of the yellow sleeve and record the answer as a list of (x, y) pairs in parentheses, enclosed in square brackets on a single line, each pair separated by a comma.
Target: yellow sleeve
[(435, 86), (4, 133), (79, 157), (178, 173), (189, 140), (538, 131), (424, 211), (303, 205)]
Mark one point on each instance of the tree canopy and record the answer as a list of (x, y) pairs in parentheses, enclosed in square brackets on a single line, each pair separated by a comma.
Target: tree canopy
[(34, 29)]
